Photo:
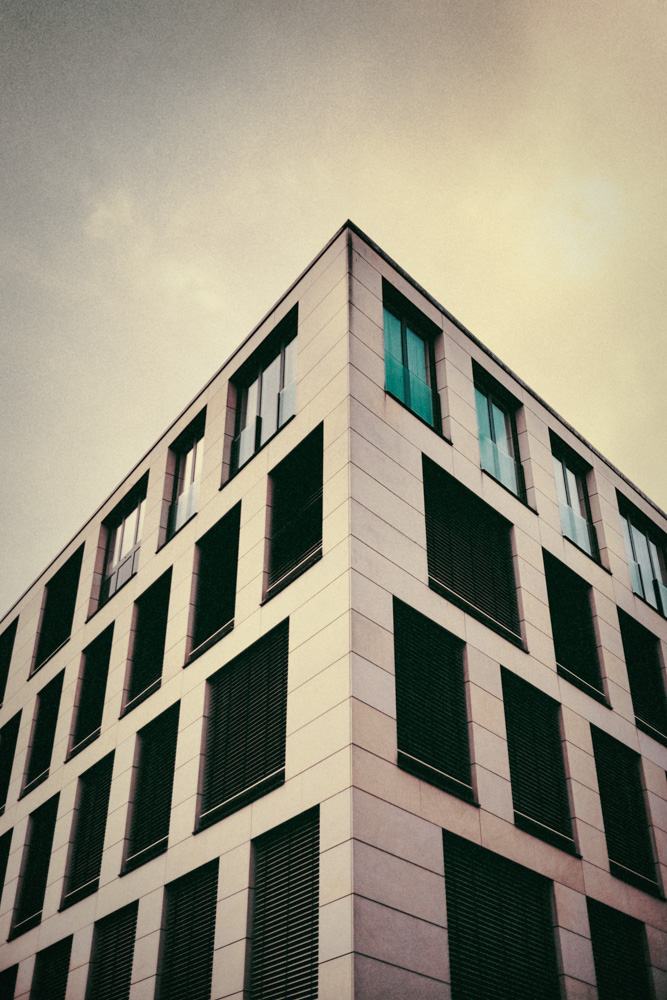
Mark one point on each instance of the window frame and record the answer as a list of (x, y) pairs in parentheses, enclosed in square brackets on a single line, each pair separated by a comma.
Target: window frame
[(36, 853), (43, 733), (497, 395), (106, 583), (145, 621), (216, 539), (9, 732), (7, 641), (633, 521), (181, 498), (579, 470), (56, 594), (93, 791), (410, 316), (190, 900), (113, 935), (95, 657), (634, 635)]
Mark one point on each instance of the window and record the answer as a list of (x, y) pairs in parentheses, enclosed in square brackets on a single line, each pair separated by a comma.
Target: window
[(8, 736), (92, 686), (295, 492), (285, 913), (186, 964), (624, 812), (266, 388), (645, 548), (6, 649), (575, 642), (644, 663), (501, 939), (575, 513), (113, 950), (620, 954), (5, 846), (34, 868), (245, 729), (150, 808), (409, 356), (8, 981), (147, 642), (216, 562), (88, 829), (537, 770), (43, 733), (496, 423), (57, 610), (184, 473), (470, 553), (431, 702), (49, 978), (123, 529)]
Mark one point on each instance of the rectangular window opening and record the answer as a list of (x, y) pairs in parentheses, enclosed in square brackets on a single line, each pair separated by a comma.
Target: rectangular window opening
[(110, 972), (121, 538), (6, 649), (409, 356), (498, 438), (147, 642), (34, 868), (88, 831), (186, 948), (216, 564), (646, 550), (8, 737), (571, 474), (57, 610), (184, 474), (91, 691), (43, 734)]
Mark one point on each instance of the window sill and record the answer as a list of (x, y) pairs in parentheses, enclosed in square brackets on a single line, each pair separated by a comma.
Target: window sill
[(631, 877), (174, 533), (138, 698), (234, 474), (291, 576), (475, 612), (243, 798), (594, 559), (517, 496), (204, 646), (82, 744), (76, 895), (648, 604), (546, 833), (103, 604), (143, 857), (650, 730), (48, 658), (583, 685), (435, 777), (34, 783), (415, 414), (26, 925)]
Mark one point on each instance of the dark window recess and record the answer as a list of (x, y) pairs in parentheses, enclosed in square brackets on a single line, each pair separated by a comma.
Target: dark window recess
[(113, 950), (624, 812), (646, 549), (5, 846), (642, 658), (470, 553), (91, 691), (89, 826), (537, 769), (8, 736), (185, 461), (6, 649), (43, 733), (216, 565), (431, 702), (151, 611), (296, 512), (571, 614), (123, 530), (498, 440), (186, 962), (49, 979), (245, 729), (571, 473), (501, 938), (409, 357), (620, 954), (34, 868), (8, 981), (58, 609), (154, 780), (285, 913)]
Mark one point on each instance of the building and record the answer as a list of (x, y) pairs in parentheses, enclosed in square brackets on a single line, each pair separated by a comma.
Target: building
[(353, 688)]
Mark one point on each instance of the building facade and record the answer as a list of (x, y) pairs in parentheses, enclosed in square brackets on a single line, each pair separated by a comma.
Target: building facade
[(354, 688)]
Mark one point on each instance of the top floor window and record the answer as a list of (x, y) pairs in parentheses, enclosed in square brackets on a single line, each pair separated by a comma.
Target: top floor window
[(498, 440), (409, 356), (57, 610), (266, 391), (645, 548), (185, 464), (575, 513), (124, 529)]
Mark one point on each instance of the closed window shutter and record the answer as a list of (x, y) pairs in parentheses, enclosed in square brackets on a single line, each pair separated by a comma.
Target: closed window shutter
[(59, 604), (6, 649), (35, 867), (5, 846), (284, 947), (216, 577), (8, 981), (296, 511), (88, 713), (151, 808), (43, 732), (469, 552), (245, 738), (430, 702), (8, 736), (89, 828), (49, 980), (501, 939), (575, 643), (150, 631), (624, 812), (113, 950), (186, 968), (620, 954), (642, 658)]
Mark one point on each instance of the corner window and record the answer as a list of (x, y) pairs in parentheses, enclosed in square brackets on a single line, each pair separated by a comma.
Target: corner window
[(645, 548), (184, 473), (575, 513), (123, 539), (498, 441), (58, 610), (409, 356), (266, 389)]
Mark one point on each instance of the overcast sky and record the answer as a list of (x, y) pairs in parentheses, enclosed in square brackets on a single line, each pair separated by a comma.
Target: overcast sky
[(168, 168)]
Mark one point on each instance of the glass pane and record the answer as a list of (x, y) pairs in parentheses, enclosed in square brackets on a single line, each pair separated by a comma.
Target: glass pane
[(633, 565), (394, 376), (575, 490), (645, 569), (560, 480), (129, 533), (501, 465), (290, 363), (184, 472), (575, 527), (269, 401), (417, 361), (249, 404), (421, 398), (114, 546), (502, 429), (198, 453), (392, 336), (246, 441), (482, 404), (140, 525), (287, 405)]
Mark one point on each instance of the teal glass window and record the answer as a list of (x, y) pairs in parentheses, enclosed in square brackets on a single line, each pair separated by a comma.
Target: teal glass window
[(645, 550), (575, 514), (409, 364), (498, 443)]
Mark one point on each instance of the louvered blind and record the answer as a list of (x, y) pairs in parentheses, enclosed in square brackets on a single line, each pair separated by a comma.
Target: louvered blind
[(59, 604), (575, 643), (35, 867), (49, 979), (286, 912), (216, 577), (620, 954), (90, 706), (501, 941), (151, 807), (296, 510), (624, 812), (469, 552), (5, 845), (150, 630), (186, 968), (642, 658), (89, 828), (537, 769), (113, 951), (8, 982), (8, 737), (245, 738), (43, 732), (430, 702), (6, 649)]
